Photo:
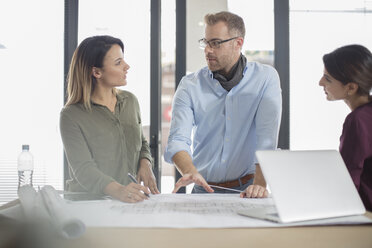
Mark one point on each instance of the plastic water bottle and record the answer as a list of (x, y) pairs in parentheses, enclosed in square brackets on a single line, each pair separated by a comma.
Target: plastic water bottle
[(25, 166)]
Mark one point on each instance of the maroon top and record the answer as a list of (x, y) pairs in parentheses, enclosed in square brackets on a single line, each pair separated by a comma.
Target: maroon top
[(356, 150)]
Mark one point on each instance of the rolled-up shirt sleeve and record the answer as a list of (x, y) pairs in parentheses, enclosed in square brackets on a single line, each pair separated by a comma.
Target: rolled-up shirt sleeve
[(145, 151), (181, 125), (145, 148), (269, 113), (79, 157)]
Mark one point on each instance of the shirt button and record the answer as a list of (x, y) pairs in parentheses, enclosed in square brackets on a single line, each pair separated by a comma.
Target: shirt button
[(227, 139), (223, 160)]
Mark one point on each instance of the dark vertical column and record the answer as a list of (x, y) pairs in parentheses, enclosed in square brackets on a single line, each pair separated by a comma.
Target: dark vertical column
[(155, 95), (70, 44), (180, 52), (281, 16)]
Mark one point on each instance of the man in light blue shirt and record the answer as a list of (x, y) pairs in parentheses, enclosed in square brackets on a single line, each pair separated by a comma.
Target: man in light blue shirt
[(230, 108)]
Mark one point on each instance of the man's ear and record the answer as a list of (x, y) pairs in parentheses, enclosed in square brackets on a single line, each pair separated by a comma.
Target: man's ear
[(96, 72), (240, 42), (352, 88)]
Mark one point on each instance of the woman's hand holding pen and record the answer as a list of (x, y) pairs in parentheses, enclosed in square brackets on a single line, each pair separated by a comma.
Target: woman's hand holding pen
[(146, 176), (131, 193)]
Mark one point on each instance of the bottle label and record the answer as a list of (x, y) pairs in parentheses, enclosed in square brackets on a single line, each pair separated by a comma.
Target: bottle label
[(25, 178)]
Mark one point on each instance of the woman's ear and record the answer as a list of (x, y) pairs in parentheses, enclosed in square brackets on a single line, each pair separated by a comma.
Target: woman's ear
[(96, 72), (352, 88)]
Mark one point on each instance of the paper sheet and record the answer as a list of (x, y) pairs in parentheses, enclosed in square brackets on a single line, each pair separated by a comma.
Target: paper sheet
[(183, 211)]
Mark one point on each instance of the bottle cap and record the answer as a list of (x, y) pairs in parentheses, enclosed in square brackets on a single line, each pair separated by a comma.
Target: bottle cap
[(25, 147)]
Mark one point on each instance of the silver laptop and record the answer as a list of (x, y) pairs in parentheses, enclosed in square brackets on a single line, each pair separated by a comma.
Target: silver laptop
[(307, 185)]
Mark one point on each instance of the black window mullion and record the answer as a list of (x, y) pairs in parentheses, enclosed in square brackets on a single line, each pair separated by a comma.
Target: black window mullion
[(180, 53), (155, 92), (281, 61), (70, 44)]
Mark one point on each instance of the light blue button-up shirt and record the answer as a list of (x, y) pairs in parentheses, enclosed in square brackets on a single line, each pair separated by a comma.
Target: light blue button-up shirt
[(221, 130)]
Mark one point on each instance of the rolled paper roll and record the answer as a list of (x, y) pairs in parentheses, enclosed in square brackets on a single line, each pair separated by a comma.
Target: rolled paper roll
[(66, 225)]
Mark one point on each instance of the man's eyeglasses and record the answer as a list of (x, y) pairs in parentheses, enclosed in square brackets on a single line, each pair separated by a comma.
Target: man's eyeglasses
[(203, 43)]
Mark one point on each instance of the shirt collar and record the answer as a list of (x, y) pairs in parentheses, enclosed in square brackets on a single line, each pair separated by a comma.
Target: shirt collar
[(210, 73), (120, 97), (216, 86)]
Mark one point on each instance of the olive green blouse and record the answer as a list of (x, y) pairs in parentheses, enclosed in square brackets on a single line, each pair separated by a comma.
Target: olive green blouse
[(101, 146)]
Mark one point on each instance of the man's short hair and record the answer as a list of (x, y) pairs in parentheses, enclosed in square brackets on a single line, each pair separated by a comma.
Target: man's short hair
[(234, 22)]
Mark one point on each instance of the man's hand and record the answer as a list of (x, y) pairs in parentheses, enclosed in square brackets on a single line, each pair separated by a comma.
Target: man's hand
[(189, 178), (258, 188), (184, 164), (146, 176), (254, 191)]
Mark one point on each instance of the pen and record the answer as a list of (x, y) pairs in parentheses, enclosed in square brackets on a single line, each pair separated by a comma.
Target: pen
[(131, 177), (219, 187)]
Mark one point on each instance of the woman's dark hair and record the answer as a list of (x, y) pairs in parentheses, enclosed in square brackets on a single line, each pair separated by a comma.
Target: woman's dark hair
[(90, 53), (352, 63)]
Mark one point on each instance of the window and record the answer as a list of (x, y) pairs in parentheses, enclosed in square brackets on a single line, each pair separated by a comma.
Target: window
[(129, 21), (31, 62), (316, 28)]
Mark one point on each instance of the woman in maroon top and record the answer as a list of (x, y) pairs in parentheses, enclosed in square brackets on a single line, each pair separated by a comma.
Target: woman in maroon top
[(348, 76)]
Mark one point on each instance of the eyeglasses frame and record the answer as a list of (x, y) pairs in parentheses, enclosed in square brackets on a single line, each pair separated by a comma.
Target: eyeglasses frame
[(219, 42)]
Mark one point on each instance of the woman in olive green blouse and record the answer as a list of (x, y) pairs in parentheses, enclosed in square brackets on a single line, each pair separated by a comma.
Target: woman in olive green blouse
[(101, 126)]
